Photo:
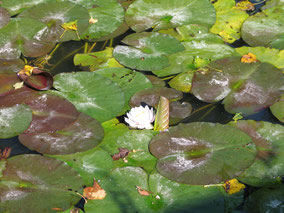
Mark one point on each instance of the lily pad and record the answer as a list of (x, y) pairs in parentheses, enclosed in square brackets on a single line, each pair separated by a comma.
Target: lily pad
[(179, 111), (4, 17), (156, 82), (107, 17), (182, 81), (6, 83), (147, 51), (38, 184), (24, 35), (151, 96), (129, 81), (11, 66), (229, 20), (202, 153), (266, 200), (246, 87), (96, 60), (165, 14), (264, 54), (277, 109), (91, 93), (83, 134), (268, 168), (14, 120), (56, 13), (264, 28)]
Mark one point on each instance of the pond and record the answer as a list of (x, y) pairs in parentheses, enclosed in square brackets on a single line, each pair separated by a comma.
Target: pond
[(141, 106)]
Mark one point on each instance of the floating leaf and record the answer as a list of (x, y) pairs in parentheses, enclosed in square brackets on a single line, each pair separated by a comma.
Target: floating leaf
[(265, 28), (122, 154), (264, 54), (65, 20), (4, 17), (14, 120), (277, 109), (247, 88), (143, 192), (162, 119), (95, 192), (179, 111), (249, 58), (91, 93), (7, 82), (156, 82), (164, 14), (11, 66), (268, 167), (229, 20), (233, 186), (198, 153), (83, 134), (151, 96), (147, 51), (26, 36), (182, 82), (38, 184)]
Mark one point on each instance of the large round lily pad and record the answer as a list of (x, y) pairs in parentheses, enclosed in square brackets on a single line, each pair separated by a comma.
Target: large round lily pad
[(268, 168), (92, 94), (265, 28), (34, 183), (277, 109), (85, 133), (56, 13), (24, 35), (151, 96), (14, 120), (165, 14), (147, 51), (4, 17), (246, 87), (202, 153)]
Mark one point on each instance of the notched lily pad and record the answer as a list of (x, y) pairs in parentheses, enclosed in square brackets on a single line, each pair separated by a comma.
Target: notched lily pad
[(34, 183), (91, 93), (147, 51), (14, 120), (164, 14), (151, 96), (84, 134), (202, 153), (246, 87)]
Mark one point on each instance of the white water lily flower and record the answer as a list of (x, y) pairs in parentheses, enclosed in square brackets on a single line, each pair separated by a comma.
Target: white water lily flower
[(140, 117)]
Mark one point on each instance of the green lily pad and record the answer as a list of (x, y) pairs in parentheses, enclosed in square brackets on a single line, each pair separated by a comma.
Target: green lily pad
[(14, 120), (182, 81), (264, 54), (94, 163), (156, 82), (268, 168), (91, 94), (4, 17), (165, 14), (38, 184), (11, 66), (17, 6), (229, 20), (129, 81), (264, 28), (202, 153), (147, 51), (84, 134), (277, 109), (151, 96), (266, 200), (96, 60), (24, 35), (108, 16), (246, 87), (56, 13)]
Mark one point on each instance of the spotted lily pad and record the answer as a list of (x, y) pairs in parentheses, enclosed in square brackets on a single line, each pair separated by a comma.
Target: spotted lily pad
[(129, 81), (91, 93), (246, 87), (165, 14), (24, 35), (14, 120), (56, 13), (38, 184), (84, 134), (202, 153), (277, 109), (147, 51), (268, 168), (265, 28), (4, 17), (151, 96), (96, 60)]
